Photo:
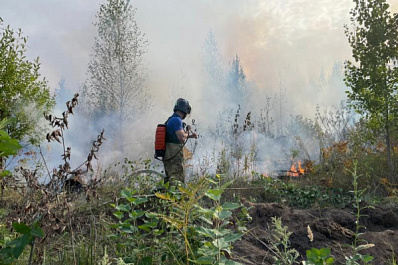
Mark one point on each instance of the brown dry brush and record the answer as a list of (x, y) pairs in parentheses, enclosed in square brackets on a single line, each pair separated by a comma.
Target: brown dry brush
[(53, 203)]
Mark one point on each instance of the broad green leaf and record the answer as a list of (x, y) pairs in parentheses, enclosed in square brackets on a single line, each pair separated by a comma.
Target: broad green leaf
[(136, 214), (221, 244), (367, 258), (231, 205), (21, 228), (330, 260), (131, 199), (206, 220), (37, 232), (140, 200), (230, 238), (324, 252), (126, 193), (8, 146), (19, 245), (129, 229), (224, 214), (119, 215), (214, 194), (205, 231), (148, 226), (205, 211), (123, 207)]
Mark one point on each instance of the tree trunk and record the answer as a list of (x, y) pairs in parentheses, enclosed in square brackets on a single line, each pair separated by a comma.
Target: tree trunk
[(390, 163), (2, 167), (391, 173)]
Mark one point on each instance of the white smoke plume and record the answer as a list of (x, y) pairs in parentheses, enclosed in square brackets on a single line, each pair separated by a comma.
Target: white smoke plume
[(290, 51)]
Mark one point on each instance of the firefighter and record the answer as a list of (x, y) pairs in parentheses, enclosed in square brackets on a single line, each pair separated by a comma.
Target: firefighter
[(176, 137)]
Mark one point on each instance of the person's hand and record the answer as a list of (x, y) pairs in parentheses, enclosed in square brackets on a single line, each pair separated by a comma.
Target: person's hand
[(194, 135)]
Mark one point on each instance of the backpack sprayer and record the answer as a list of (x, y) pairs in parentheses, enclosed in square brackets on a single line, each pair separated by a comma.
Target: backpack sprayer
[(160, 140)]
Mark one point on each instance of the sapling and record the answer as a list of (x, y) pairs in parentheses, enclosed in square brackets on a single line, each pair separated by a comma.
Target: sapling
[(358, 197)]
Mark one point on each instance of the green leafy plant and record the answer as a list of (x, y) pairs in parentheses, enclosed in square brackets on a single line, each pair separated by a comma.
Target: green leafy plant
[(184, 225), (11, 250), (8, 146), (183, 212), (133, 225), (303, 197), (24, 94), (218, 237), (356, 257), (373, 78), (318, 257), (280, 244)]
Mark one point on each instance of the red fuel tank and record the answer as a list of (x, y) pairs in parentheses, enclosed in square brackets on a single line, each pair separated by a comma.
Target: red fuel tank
[(160, 141)]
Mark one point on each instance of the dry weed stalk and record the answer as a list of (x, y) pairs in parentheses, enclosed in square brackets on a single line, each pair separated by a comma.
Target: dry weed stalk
[(53, 202)]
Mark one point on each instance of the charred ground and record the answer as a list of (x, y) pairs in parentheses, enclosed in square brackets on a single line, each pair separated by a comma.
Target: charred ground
[(331, 227)]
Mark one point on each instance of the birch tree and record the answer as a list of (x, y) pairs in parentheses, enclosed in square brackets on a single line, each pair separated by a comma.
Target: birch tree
[(115, 87)]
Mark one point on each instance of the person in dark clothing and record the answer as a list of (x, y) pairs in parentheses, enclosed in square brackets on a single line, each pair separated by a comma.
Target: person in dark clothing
[(176, 137)]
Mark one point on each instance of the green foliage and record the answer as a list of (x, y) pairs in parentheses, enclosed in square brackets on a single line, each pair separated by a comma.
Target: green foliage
[(115, 84), (318, 257), (11, 250), (8, 146), (184, 225), (375, 47), (358, 258), (22, 93), (218, 237), (280, 244), (133, 223), (373, 78), (303, 197)]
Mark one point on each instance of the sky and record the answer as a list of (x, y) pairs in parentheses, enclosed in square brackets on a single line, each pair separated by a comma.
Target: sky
[(289, 42), (269, 36)]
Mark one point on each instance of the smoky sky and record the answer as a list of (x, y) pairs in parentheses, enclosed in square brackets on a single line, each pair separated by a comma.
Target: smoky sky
[(288, 40), (285, 44)]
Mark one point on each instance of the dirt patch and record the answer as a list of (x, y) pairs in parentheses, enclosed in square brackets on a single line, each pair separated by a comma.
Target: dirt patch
[(332, 228)]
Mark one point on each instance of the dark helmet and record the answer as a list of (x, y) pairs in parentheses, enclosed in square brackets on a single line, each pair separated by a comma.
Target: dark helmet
[(183, 106)]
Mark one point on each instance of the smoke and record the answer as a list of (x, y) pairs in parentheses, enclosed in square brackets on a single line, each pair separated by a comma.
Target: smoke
[(282, 51), (290, 51)]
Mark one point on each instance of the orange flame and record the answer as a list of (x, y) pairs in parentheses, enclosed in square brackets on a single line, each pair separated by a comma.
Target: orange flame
[(300, 169), (293, 172)]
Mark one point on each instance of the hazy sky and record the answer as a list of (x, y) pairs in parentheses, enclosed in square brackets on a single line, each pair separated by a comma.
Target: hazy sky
[(274, 39), (287, 42)]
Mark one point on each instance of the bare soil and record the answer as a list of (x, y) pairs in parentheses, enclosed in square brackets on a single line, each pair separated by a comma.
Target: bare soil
[(332, 228)]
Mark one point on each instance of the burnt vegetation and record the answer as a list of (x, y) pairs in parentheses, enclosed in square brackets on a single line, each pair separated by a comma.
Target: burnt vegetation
[(52, 203)]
